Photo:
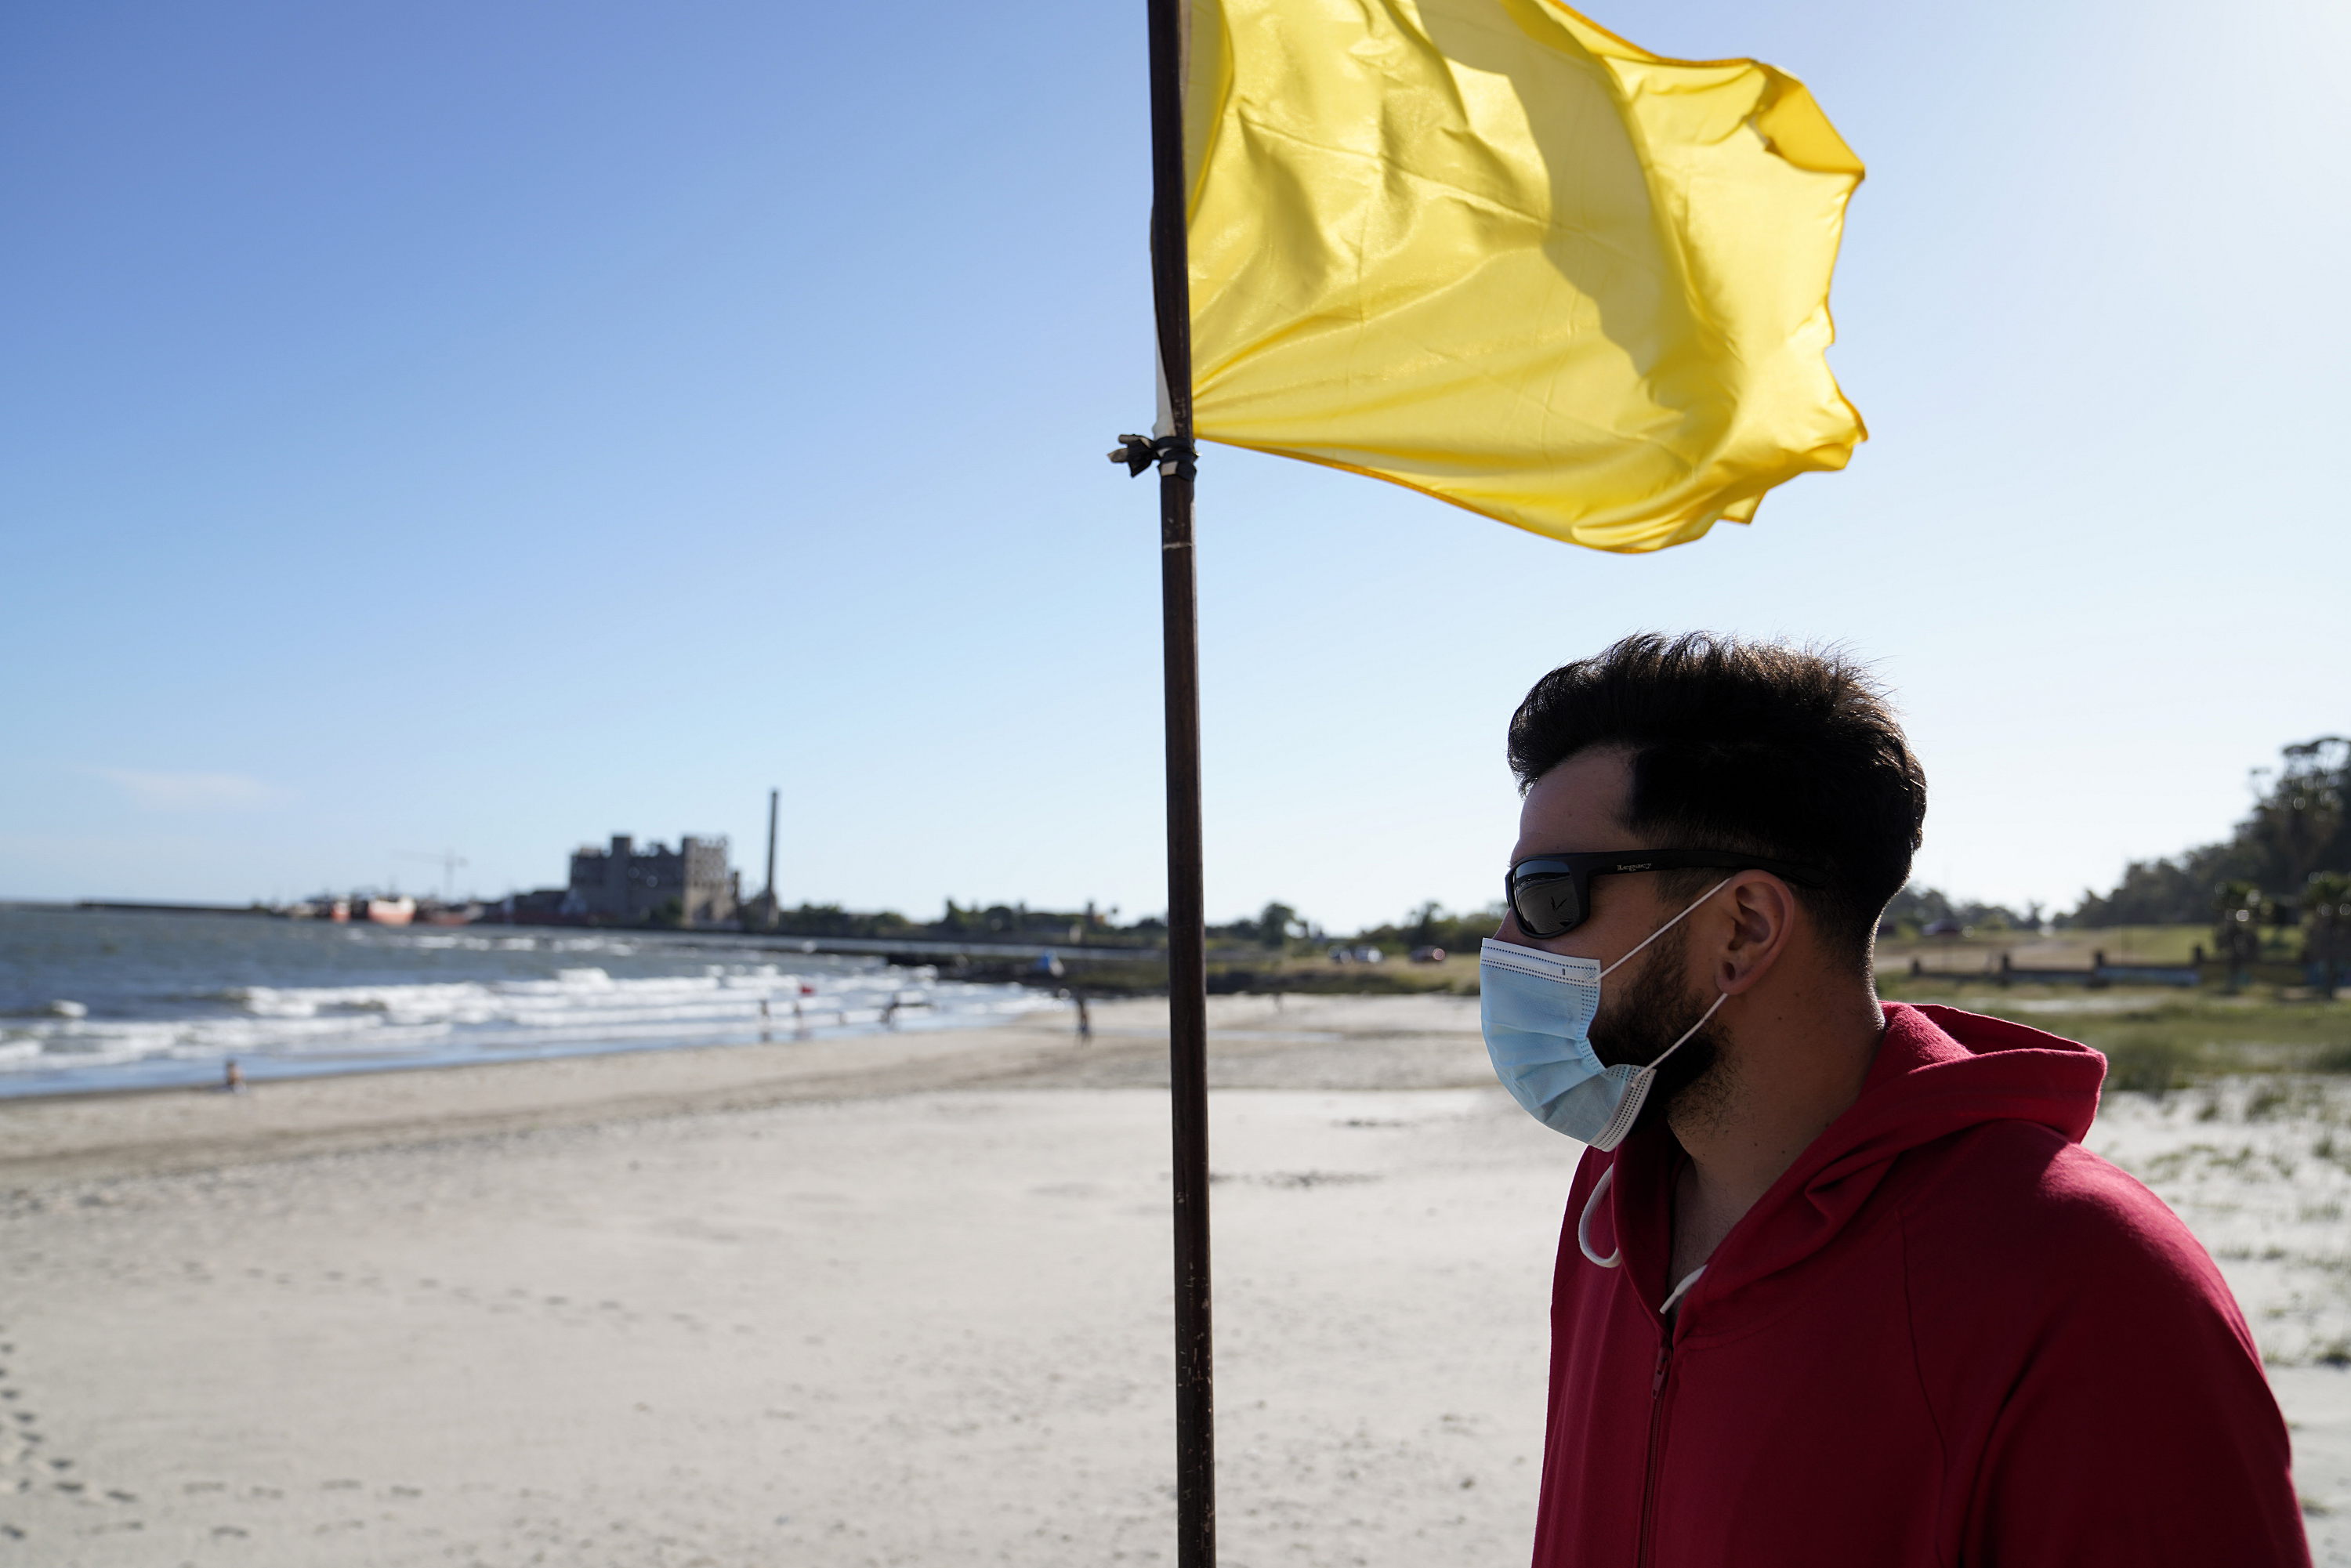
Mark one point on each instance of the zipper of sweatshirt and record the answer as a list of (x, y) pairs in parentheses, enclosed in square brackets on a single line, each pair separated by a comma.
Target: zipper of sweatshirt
[(1649, 1477)]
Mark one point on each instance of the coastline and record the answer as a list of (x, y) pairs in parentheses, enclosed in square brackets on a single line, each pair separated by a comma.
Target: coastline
[(886, 1298)]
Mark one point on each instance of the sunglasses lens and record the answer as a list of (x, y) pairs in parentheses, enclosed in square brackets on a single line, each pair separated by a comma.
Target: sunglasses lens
[(1546, 903)]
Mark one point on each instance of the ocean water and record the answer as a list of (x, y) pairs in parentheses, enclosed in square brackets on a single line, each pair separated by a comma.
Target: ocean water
[(96, 999)]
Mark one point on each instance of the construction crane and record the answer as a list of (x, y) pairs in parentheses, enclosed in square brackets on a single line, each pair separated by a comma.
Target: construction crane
[(450, 861)]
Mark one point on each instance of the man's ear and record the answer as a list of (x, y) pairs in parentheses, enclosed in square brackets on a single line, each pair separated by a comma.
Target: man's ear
[(1762, 922)]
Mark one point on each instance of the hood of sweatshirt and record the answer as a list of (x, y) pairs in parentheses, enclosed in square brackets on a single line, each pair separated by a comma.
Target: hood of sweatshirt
[(1938, 1071)]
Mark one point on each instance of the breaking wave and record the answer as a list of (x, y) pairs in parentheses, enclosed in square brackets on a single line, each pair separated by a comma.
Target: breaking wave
[(297, 1031)]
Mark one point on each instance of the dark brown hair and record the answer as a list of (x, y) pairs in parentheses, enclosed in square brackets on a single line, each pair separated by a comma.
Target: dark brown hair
[(1789, 753)]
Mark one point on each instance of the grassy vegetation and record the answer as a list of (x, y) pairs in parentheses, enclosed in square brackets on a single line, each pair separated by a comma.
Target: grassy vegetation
[(1265, 972), (1980, 950), (2056, 950), (2159, 1040)]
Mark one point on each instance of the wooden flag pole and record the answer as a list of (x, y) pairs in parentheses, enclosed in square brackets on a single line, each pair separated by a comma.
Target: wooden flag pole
[(1187, 958)]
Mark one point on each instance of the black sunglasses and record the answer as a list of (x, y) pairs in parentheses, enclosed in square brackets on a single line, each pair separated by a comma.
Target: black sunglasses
[(1551, 894)]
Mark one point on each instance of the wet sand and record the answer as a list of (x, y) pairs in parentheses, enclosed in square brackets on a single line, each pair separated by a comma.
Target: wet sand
[(843, 1302)]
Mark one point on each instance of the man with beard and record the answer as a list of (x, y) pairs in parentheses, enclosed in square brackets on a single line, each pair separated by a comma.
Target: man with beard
[(1837, 1283)]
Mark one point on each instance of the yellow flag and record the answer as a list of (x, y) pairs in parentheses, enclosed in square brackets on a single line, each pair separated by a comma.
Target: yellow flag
[(1489, 250)]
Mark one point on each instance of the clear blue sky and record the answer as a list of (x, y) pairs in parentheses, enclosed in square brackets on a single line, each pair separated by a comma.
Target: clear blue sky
[(492, 426)]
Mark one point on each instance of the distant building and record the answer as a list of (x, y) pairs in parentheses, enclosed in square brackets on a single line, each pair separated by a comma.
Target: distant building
[(624, 886)]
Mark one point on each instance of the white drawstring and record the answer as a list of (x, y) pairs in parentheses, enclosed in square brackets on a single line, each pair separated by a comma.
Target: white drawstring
[(1614, 1259), (1688, 1281), (1583, 1225)]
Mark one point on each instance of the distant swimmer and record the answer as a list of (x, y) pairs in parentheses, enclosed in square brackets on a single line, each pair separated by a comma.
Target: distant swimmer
[(1837, 1282), (232, 1077)]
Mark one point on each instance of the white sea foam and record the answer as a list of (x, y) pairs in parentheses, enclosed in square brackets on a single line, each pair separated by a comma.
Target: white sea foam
[(581, 1007)]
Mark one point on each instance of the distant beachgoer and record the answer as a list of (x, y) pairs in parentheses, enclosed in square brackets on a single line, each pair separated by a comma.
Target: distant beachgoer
[(232, 1076), (1838, 1282), (765, 1034), (1085, 1024), (889, 1014)]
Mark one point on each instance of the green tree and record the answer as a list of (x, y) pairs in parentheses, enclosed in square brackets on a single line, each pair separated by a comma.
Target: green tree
[(2300, 822), (2299, 819)]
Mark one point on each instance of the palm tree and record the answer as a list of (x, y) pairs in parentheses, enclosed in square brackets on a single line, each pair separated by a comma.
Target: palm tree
[(2237, 927), (2326, 915)]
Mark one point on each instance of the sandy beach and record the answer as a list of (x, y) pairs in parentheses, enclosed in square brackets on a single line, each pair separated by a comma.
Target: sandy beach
[(892, 1299)]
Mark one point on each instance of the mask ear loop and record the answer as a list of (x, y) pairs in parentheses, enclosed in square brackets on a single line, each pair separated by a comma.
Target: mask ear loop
[(1608, 1177), (1637, 1094), (1720, 998), (1668, 926), (1584, 1223)]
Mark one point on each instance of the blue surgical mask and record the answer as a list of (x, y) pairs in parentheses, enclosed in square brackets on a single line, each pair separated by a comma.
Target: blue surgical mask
[(1536, 1007)]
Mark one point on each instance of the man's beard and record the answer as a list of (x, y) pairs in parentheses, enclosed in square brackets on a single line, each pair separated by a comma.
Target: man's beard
[(1641, 1023)]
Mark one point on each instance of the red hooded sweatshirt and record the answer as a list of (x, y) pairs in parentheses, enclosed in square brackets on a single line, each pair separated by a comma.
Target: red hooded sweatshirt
[(1948, 1334)]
